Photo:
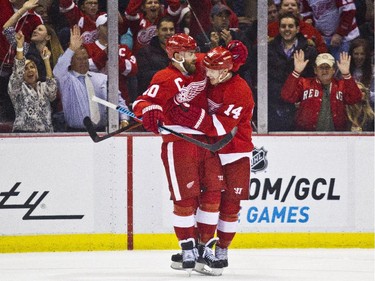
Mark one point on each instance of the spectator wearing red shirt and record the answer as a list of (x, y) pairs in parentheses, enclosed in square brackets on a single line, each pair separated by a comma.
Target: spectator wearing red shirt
[(322, 99), (142, 16), (84, 15), (98, 61)]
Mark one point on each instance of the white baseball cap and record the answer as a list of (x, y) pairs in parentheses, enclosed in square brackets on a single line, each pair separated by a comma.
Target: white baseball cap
[(102, 19), (325, 58)]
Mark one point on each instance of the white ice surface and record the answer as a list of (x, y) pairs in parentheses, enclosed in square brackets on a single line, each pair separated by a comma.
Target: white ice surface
[(253, 265)]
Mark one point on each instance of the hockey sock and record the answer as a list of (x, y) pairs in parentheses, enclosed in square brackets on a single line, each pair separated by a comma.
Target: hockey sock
[(184, 218), (207, 215), (228, 221)]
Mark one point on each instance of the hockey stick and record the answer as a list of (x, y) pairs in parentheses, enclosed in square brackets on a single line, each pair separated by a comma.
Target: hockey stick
[(211, 147), (208, 41), (94, 135)]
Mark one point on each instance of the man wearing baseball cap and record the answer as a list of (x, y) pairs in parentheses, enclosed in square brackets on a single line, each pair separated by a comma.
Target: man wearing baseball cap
[(321, 99), (219, 33), (98, 53)]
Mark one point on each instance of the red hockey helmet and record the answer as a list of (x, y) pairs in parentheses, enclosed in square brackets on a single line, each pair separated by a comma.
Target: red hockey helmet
[(180, 42), (218, 58), (239, 53)]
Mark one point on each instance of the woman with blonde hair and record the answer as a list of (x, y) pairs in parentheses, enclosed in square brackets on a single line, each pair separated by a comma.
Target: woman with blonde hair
[(361, 115)]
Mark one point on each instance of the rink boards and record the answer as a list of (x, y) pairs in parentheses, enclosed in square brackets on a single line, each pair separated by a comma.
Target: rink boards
[(66, 193)]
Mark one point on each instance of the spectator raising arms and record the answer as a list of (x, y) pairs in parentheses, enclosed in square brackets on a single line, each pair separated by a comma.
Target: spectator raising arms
[(322, 98), (27, 23), (42, 36), (78, 85), (31, 98)]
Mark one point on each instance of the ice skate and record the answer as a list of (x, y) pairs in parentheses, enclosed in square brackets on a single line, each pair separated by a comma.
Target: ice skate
[(222, 255), (207, 263), (189, 254), (176, 261)]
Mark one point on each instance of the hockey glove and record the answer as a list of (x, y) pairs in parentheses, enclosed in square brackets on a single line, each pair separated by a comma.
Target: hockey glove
[(239, 52), (152, 117), (187, 115)]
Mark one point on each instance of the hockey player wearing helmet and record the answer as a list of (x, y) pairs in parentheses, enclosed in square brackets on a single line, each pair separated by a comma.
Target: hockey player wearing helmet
[(231, 104), (194, 174)]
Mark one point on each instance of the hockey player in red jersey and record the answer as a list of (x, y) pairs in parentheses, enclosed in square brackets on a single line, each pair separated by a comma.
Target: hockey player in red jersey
[(230, 104), (194, 174)]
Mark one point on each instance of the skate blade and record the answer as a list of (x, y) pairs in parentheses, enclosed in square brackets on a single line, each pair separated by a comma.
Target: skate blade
[(206, 270), (176, 265), (188, 270)]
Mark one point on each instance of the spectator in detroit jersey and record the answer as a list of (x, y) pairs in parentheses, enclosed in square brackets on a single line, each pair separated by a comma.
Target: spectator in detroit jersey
[(84, 14), (142, 16), (322, 99), (335, 20), (231, 104), (99, 59)]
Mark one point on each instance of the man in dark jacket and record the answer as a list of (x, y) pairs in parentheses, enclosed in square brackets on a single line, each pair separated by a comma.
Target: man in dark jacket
[(280, 65), (153, 57), (220, 34)]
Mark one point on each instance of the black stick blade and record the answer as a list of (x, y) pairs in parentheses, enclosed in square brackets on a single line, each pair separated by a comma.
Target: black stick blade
[(90, 129), (96, 138)]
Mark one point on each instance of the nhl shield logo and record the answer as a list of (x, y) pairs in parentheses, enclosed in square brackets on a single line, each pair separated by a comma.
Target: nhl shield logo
[(259, 161)]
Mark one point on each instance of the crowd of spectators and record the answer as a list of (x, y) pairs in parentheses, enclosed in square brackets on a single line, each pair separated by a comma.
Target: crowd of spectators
[(45, 95)]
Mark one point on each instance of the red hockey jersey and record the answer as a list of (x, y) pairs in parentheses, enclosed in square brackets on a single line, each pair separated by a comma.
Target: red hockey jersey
[(166, 84), (231, 104), (127, 64)]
